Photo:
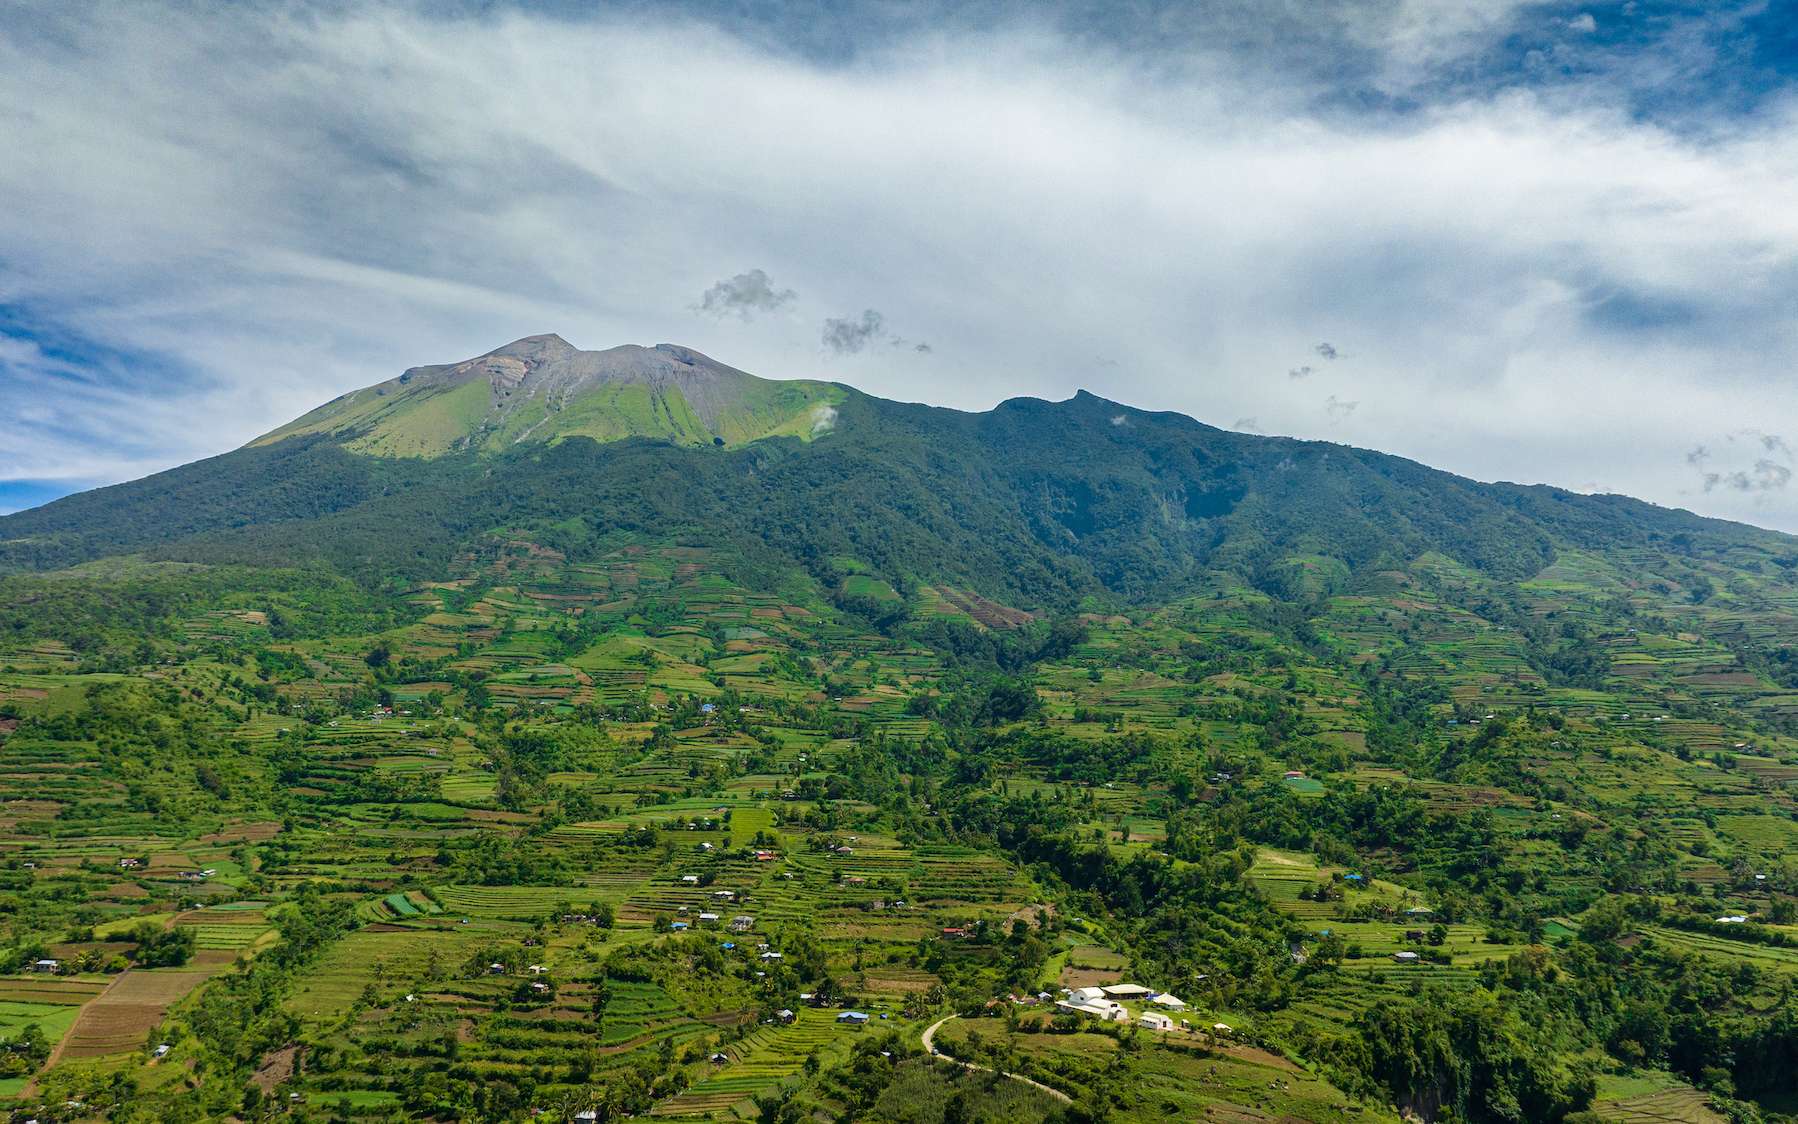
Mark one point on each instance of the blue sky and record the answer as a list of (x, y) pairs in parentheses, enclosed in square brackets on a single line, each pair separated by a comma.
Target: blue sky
[(1547, 242)]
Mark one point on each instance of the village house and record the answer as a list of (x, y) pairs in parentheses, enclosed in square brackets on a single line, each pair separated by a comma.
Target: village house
[(742, 923), (1155, 1020)]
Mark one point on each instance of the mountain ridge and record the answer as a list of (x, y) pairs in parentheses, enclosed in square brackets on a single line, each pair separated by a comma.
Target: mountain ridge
[(1035, 503)]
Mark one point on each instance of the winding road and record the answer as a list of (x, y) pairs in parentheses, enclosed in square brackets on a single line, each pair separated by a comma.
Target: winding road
[(929, 1039)]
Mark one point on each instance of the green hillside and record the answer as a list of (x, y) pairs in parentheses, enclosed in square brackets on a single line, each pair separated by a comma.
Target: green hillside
[(397, 767)]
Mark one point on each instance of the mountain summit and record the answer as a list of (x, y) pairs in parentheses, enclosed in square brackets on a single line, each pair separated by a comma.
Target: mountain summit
[(543, 389)]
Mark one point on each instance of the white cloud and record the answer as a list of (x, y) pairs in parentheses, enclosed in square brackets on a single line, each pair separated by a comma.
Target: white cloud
[(288, 206)]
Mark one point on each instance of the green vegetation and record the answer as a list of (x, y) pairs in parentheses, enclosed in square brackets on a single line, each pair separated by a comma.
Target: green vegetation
[(614, 774)]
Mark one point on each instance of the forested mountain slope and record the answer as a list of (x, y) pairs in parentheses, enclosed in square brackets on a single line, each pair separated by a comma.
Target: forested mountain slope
[(629, 735), (1039, 501)]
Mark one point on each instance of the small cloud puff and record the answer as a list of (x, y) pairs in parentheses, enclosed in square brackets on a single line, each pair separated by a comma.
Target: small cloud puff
[(744, 295), (844, 336)]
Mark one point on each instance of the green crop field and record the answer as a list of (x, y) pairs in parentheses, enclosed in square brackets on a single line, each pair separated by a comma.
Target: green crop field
[(534, 774)]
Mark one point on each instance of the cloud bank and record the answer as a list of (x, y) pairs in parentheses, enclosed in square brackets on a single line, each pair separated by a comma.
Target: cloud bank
[(1547, 260)]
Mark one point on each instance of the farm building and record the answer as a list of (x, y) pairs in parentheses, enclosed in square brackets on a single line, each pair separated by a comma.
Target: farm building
[(1102, 1009), (742, 923), (1127, 991), (1405, 957), (1169, 1000), (852, 1018), (45, 966), (1155, 1020), (785, 1017)]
